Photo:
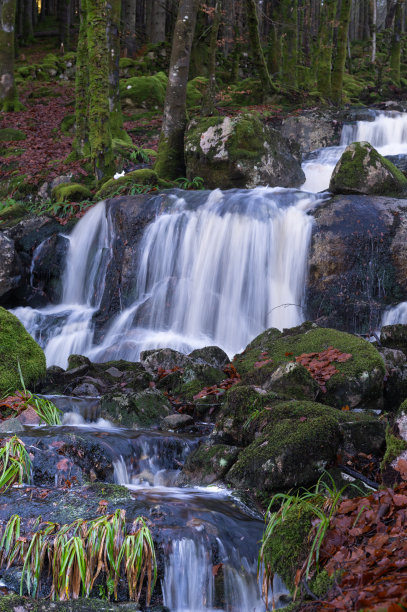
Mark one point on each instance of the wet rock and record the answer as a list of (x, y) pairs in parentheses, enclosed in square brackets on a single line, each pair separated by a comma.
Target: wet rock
[(29, 417), (135, 410), (394, 336), (86, 390), (78, 361), (167, 359), (212, 355), (10, 266), (48, 265), (114, 372), (292, 380), (357, 261), (12, 425), (240, 152), (312, 130), (176, 421), (395, 387), (400, 161), (358, 381), (366, 436), (192, 379), (208, 464), (362, 170)]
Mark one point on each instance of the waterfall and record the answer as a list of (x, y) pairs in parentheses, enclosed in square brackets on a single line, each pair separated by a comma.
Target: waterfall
[(397, 314), (387, 133), (215, 268)]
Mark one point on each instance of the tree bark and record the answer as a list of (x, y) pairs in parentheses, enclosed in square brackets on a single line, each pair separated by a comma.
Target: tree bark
[(325, 48), (129, 27), (28, 30), (341, 47), (64, 22), (208, 106), (113, 42), (374, 29), (8, 92), (257, 51), (170, 158), (81, 147), (158, 17), (289, 42), (396, 44)]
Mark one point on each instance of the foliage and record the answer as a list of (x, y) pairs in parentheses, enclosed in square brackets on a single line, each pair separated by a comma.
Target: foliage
[(322, 502), (78, 554), (15, 464), (195, 183), (139, 155)]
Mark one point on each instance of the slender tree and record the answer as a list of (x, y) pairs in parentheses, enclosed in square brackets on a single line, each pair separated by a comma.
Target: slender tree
[(341, 48), (170, 158), (325, 47), (129, 27), (64, 22), (289, 10), (208, 106), (8, 92), (257, 51), (396, 43), (374, 29)]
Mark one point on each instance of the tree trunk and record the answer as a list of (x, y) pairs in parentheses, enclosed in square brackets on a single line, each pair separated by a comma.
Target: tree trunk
[(81, 147), (170, 159), (325, 48), (208, 106), (374, 29), (28, 30), (8, 92), (341, 47), (391, 9), (257, 51), (158, 17), (113, 42), (396, 44), (64, 22), (100, 136), (289, 50), (129, 27)]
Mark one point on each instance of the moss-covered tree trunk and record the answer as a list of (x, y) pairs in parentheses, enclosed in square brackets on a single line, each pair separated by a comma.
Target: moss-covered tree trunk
[(81, 147), (100, 137), (170, 158), (8, 92), (64, 22), (289, 50), (341, 48), (396, 43), (113, 41), (257, 51), (208, 106), (325, 47)]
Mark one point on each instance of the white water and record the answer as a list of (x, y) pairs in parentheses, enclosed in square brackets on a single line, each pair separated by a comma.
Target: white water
[(397, 314), (387, 133), (217, 272)]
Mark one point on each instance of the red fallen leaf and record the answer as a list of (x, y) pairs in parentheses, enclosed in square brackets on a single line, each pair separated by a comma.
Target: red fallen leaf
[(216, 568), (401, 466), (64, 464), (288, 354), (400, 500)]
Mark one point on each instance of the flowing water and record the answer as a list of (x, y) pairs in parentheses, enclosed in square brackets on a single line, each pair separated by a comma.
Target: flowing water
[(387, 133), (216, 268)]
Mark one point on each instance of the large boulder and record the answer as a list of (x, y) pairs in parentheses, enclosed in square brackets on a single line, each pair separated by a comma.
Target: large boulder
[(312, 129), (239, 151), (10, 266), (358, 369), (135, 410), (357, 261), (17, 347), (362, 170)]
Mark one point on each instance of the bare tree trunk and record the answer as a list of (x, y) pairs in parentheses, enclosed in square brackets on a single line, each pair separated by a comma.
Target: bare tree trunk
[(8, 92), (208, 106), (158, 16), (257, 51), (28, 31), (170, 159), (391, 9), (374, 29), (340, 58), (64, 22), (129, 27)]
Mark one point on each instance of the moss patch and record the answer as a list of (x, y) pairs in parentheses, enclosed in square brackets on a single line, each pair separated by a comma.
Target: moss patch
[(394, 447), (17, 346), (136, 410), (128, 182), (145, 91), (70, 192), (10, 134)]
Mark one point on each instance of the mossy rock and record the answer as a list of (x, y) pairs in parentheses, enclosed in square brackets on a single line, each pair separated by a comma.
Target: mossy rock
[(135, 410), (192, 380), (144, 91), (208, 464), (126, 183), (362, 170), (239, 151), (70, 192), (10, 134), (17, 347), (359, 381), (17, 602), (13, 214)]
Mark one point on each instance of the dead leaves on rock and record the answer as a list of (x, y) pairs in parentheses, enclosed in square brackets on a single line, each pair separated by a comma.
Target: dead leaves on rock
[(320, 365)]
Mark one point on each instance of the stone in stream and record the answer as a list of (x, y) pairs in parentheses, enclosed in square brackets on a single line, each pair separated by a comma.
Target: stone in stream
[(176, 421), (362, 170), (145, 409)]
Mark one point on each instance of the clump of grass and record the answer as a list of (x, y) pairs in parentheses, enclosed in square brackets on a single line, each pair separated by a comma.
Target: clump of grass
[(322, 502), (46, 410), (15, 464), (76, 555)]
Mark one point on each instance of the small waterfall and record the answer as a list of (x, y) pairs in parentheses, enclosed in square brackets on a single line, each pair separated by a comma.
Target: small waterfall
[(215, 268), (387, 133), (397, 314), (67, 328)]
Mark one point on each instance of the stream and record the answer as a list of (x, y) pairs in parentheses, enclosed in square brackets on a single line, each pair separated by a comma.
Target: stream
[(215, 268)]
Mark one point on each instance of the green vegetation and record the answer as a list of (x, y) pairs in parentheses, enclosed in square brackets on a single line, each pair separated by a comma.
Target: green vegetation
[(138, 181), (15, 465), (394, 447)]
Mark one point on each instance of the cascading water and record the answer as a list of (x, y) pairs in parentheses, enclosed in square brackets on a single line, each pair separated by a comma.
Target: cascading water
[(387, 133), (217, 268)]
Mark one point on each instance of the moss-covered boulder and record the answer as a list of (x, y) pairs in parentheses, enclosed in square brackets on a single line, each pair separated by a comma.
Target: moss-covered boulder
[(128, 183), (70, 192), (358, 381), (190, 380), (144, 91), (362, 170), (17, 347), (239, 151), (135, 410), (208, 464)]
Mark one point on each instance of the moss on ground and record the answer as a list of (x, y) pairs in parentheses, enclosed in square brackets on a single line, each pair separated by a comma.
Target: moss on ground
[(70, 192), (394, 447), (145, 91), (17, 347), (10, 134), (125, 184)]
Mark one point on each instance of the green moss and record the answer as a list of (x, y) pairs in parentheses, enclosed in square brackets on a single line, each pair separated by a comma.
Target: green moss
[(67, 124), (13, 214), (17, 346), (136, 410), (365, 362), (70, 192), (125, 183), (111, 492), (126, 62), (196, 90), (394, 447), (247, 139), (288, 548), (322, 583), (145, 91), (10, 134)]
